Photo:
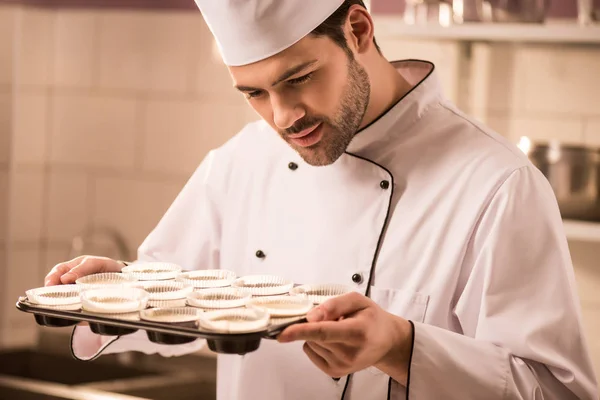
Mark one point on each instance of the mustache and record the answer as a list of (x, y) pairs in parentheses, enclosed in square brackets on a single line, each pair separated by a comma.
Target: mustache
[(304, 123)]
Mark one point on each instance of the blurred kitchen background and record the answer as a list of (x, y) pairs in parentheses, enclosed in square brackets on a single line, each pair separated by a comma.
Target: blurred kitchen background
[(107, 106)]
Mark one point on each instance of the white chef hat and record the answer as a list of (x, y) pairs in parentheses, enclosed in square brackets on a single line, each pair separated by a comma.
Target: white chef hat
[(247, 31)]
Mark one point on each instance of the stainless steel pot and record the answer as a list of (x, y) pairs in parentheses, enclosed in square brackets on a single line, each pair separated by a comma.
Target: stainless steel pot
[(574, 174), (515, 11)]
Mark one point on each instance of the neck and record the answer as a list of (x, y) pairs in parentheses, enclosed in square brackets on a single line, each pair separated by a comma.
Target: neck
[(387, 88)]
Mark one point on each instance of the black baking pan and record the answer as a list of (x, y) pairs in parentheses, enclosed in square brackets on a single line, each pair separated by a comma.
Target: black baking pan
[(158, 332), (111, 330), (54, 322)]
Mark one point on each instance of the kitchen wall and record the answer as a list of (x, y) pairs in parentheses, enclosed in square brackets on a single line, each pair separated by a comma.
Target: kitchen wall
[(105, 114), (109, 114)]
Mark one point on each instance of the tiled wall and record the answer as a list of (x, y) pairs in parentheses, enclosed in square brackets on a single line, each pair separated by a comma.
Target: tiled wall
[(112, 111)]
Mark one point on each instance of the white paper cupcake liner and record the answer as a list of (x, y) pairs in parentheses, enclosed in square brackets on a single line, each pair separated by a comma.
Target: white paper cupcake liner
[(167, 303), (237, 320), (152, 271), (55, 295), (165, 290), (283, 306), (319, 293), (219, 298), (207, 278), (105, 279), (264, 285), (114, 300), (171, 315)]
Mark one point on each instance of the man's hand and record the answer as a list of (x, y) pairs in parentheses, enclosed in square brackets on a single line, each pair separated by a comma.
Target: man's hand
[(70, 271), (350, 333)]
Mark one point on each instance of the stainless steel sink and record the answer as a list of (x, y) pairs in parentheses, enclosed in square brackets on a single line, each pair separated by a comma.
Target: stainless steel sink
[(36, 374), (47, 367)]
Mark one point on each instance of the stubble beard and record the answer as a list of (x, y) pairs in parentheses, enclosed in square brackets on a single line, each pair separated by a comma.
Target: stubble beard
[(339, 130)]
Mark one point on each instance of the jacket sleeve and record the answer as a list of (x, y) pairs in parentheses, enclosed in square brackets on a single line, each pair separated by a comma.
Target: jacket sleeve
[(522, 335), (187, 235)]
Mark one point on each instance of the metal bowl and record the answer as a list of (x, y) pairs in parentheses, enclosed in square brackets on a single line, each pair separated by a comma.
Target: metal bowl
[(574, 174)]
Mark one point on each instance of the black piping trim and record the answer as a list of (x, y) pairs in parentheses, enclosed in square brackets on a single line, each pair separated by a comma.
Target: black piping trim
[(95, 356), (412, 348), (387, 216), (379, 241), (406, 94), (389, 393)]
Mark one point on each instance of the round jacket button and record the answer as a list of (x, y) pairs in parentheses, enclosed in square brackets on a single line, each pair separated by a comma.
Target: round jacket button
[(357, 278), (384, 184), (260, 254), (293, 166)]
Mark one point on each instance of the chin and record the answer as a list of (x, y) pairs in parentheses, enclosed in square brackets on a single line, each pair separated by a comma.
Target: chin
[(317, 157)]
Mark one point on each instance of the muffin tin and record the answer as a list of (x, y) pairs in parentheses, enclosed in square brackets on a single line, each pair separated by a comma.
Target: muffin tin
[(232, 313)]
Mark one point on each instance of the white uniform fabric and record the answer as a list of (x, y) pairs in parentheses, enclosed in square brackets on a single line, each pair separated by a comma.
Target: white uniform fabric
[(472, 251), (248, 31)]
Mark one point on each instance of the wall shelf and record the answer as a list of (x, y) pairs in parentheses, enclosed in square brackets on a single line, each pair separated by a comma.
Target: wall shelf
[(552, 32), (582, 230)]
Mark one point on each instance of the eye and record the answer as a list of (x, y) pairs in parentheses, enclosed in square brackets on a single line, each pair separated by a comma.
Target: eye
[(301, 80), (254, 94)]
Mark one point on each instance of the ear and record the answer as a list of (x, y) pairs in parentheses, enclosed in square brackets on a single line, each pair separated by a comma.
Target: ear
[(360, 27)]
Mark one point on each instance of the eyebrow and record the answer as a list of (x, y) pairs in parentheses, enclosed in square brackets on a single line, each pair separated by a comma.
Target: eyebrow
[(287, 74)]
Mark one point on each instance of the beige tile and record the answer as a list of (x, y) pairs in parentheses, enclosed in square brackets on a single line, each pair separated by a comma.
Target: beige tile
[(26, 205), (7, 37), (179, 134), (445, 56), (145, 50), (75, 48), (54, 253), (565, 130), (30, 128), (170, 51), (123, 50), (211, 75), (68, 205), (93, 131), (35, 47), (591, 133), (22, 274), (4, 191), (5, 125), (557, 79), (137, 208)]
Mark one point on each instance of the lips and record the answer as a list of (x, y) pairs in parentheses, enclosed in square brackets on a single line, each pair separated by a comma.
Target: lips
[(308, 137), (303, 133)]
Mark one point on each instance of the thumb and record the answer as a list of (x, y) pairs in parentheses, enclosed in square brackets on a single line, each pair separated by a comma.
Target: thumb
[(339, 307)]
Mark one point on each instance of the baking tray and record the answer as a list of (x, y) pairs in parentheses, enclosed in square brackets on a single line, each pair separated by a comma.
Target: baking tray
[(157, 332)]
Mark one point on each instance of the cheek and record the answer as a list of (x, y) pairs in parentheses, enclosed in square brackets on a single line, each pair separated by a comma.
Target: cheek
[(263, 109), (324, 98)]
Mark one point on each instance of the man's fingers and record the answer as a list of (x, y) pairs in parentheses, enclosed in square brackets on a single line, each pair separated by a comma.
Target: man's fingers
[(338, 307), (319, 361), (68, 272), (323, 352), (53, 277), (348, 331), (87, 266)]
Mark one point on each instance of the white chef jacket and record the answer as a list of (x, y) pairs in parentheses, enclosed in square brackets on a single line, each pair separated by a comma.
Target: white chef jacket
[(462, 236)]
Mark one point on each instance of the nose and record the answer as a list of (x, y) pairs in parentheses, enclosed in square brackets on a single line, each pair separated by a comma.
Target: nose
[(286, 111)]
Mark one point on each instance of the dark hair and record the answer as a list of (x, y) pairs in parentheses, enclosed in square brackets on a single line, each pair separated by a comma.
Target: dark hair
[(332, 26)]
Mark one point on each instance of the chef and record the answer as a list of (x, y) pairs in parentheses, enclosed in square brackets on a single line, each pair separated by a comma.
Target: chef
[(361, 172)]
